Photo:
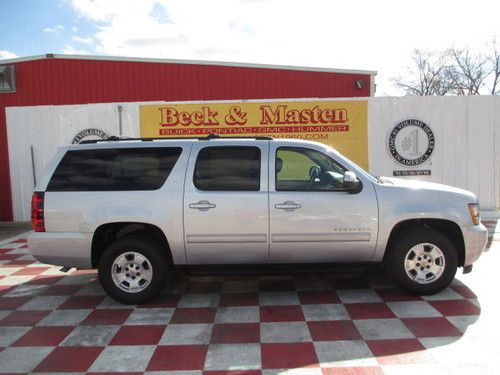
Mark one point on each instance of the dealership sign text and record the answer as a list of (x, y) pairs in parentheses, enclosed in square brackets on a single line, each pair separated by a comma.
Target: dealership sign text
[(279, 115)]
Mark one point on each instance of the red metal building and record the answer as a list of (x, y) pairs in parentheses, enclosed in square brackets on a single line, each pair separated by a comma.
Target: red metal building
[(61, 79)]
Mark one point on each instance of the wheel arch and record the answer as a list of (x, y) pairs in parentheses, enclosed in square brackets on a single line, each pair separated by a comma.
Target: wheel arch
[(105, 234), (446, 227)]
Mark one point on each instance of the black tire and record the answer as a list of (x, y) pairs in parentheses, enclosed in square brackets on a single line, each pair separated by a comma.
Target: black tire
[(395, 261), (147, 249)]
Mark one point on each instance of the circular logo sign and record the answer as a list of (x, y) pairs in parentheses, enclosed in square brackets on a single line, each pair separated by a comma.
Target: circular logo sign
[(411, 142), (89, 134)]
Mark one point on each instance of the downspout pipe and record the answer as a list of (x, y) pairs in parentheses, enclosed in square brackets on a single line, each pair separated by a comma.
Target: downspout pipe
[(120, 126)]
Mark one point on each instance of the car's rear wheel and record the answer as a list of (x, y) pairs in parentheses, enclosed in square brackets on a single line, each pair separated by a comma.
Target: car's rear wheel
[(422, 261), (132, 270)]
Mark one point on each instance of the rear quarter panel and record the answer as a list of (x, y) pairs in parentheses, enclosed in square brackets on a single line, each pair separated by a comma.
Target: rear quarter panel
[(84, 212)]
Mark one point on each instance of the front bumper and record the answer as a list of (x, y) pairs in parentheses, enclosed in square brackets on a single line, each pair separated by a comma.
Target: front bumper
[(475, 240), (61, 248)]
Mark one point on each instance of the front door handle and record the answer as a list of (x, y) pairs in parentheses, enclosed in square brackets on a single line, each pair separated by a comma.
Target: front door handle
[(288, 206), (202, 205)]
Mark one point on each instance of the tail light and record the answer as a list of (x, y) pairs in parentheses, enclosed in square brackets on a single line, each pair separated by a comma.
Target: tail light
[(37, 219)]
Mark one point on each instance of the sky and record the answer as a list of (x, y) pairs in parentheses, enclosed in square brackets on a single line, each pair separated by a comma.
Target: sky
[(361, 35)]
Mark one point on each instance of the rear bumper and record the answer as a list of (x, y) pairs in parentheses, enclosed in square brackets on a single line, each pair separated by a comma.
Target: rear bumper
[(475, 239), (62, 248)]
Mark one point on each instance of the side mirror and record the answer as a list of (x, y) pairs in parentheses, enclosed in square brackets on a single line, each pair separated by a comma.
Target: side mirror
[(351, 182)]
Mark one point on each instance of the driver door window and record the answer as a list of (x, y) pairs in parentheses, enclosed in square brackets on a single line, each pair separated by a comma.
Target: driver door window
[(302, 169)]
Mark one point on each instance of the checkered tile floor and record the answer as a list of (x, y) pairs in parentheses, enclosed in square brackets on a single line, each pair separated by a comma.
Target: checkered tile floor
[(305, 324)]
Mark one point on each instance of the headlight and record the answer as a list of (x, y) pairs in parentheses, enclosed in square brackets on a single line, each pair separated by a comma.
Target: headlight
[(474, 213)]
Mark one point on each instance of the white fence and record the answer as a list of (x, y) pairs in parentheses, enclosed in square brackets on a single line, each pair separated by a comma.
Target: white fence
[(466, 132), (467, 140)]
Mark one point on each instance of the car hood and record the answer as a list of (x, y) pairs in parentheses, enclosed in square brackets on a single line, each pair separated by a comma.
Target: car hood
[(426, 186)]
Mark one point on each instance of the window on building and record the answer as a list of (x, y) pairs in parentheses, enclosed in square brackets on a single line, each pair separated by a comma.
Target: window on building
[(7, 78)]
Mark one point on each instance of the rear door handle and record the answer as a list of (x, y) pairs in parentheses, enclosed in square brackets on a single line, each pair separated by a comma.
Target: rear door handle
[(202, 205), (288, 206)]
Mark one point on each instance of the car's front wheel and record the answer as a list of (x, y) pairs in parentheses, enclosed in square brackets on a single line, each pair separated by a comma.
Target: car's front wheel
[(132, 270), (422, 261)]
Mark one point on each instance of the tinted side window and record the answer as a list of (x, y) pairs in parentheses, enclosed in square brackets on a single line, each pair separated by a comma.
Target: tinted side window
[(303, 169), (114, 169), (228, 169)]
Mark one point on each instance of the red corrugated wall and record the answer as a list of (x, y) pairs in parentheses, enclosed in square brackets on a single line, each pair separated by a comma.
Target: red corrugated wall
[(58, 81)]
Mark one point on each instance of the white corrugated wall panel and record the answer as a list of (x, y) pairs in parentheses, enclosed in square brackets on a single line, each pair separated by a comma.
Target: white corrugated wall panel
[(466, 131), (48, 127)]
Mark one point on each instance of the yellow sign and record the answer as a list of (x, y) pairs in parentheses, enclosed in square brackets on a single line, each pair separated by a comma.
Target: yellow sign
[(340, 124)]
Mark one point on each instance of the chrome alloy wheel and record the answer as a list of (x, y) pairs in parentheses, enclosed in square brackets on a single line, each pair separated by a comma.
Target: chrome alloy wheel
[(131, 272), (425, 263)]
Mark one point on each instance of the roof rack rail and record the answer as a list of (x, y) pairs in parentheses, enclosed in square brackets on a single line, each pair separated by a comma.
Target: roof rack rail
[(218, 136), (114, 138)]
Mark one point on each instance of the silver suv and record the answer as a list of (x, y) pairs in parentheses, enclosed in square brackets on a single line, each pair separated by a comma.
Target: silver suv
[(137, 208)]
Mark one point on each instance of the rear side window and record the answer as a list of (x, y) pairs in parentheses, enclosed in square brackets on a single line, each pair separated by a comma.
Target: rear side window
[(228, 168), (114, 169)]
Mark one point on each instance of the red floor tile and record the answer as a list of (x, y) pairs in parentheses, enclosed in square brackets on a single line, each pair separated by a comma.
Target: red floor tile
[(20, 263), (4, 289), (318, 297), (9, 257), (45, 280), (178, 357), (12, 303), (69, 359), (239, 299), (368, 370), (235, 333), (4, 251), (21, 240), (396, 295), (276, 286), (281, 356), (400, 352), (31, 271), (455, 307), (193, 315), (24, 318), (281, 313), (163, 300), (391, 347), (431, 327), (44, 336), (369, 311), (111, 316), (233, 372), (61, 290), (138, 335), (333, 330), (464, 291), (82, 302)]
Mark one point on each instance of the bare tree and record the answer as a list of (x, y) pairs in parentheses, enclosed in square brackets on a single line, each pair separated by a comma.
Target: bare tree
[(467, 73), (430, 75), (494, 61), (452, 72)]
